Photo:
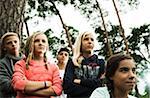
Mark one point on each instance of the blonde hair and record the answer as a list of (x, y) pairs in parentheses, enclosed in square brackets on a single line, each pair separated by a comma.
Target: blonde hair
[(77, 55), (29, 49), (2, 49)]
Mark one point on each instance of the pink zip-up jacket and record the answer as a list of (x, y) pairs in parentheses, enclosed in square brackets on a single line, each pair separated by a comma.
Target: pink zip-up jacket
[(36, 72)]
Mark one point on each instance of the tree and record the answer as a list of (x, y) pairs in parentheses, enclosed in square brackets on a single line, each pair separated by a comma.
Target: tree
[(46, 7), (11, 16)]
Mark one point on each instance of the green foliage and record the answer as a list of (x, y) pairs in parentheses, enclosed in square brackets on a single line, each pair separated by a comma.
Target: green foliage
[(43, 8), (140, 38), (55, 43)]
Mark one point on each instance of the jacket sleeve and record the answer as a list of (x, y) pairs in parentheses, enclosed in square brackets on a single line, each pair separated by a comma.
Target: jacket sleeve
[(94, 83), (5, 79), (69, 87)]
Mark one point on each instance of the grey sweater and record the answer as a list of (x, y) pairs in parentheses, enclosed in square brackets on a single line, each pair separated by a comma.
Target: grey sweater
[(6, 72)]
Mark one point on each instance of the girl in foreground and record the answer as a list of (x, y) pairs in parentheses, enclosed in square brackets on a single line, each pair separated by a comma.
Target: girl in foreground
[(121, 76)]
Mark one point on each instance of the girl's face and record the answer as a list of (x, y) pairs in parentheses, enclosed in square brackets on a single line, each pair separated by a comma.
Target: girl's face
[(87, 43), (40, 44), (125, 76), (63, 56), (12, 45)]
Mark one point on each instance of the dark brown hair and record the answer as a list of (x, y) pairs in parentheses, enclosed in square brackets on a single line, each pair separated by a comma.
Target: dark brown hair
[(111, 67), (113, 63)]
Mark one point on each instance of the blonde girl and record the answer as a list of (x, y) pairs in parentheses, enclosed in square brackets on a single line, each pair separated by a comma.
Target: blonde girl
[(34, 76)]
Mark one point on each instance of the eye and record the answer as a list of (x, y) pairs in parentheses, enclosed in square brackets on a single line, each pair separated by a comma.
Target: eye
[(15, 41), (44, 41), (61, 54), (92, 39), (36, 40), (86, 38), (8, 43), (66, 54), (124, 69)]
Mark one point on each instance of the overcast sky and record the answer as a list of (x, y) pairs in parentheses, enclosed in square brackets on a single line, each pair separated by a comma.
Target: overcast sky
[(132, 18)]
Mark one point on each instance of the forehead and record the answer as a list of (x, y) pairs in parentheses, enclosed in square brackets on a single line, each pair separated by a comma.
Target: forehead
[(9, 38), (88, 35), (63, 52), (41, 36), (127, 63)]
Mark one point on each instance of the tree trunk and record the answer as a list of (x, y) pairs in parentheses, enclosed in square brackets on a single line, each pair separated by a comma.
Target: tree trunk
[(11, 16), (121, 31), (106, 32), (64, 26)]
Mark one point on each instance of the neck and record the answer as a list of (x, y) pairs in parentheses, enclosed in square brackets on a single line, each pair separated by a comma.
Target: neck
[(120, 93), (38, 57), (86, 55), (61, 65), (14, 55)]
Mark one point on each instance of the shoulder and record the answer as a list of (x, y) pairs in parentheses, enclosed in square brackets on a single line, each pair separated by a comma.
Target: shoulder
[(129, 96), (4, 60), (100, 60), (102, 92), (52, 65), (21, 62)]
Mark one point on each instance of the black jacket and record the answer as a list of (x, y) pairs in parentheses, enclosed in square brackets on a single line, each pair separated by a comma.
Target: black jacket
[(90, 72)]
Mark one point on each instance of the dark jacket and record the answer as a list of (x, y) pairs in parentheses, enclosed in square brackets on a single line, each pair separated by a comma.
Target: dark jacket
[(6, 72), (90, 72)]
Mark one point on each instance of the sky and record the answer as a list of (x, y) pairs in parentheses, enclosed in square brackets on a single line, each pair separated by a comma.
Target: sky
[(132, 18), (129, 17)]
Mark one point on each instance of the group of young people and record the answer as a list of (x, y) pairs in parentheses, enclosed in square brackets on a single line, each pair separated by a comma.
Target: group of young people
[(32, 75)]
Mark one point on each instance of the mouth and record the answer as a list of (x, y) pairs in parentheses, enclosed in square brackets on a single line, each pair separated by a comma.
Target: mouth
[(14, 48), (132, 83)]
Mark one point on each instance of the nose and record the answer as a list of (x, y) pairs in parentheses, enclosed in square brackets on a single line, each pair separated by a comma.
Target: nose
[(132, 75), (90, 41), (63, 55), (40, 42), (13, 44)]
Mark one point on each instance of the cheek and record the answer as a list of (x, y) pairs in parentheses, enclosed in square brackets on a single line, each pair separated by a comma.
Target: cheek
[(119, 79)]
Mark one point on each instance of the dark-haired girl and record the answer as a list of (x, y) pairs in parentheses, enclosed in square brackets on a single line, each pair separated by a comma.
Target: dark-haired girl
[(121, 76)]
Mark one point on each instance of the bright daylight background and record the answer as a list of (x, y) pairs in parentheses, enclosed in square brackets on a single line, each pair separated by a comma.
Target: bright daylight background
[(130, 18)]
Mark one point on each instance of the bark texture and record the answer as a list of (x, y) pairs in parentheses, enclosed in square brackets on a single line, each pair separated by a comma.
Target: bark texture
[(11, 16)]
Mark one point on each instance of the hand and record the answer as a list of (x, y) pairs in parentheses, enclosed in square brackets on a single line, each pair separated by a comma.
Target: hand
[(77, 81), (48, 83)]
